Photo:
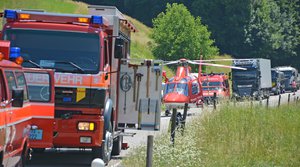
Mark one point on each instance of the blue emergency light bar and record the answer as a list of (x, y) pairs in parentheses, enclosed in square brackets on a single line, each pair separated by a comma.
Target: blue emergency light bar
[(52, 17), (10, 14), (14, 52), (97, 20)]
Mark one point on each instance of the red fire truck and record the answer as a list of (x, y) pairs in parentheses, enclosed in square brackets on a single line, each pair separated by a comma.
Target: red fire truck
[(215, 83), (15, 114), (86, 51)]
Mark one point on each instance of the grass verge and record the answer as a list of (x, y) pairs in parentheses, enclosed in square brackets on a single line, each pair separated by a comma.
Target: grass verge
[(233, 136)]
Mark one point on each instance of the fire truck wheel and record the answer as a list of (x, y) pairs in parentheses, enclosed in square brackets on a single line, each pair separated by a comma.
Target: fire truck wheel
[(117, 145), (104, 151)]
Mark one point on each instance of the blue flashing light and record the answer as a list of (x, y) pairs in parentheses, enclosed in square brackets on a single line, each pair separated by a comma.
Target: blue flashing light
[(97, 20), (10, 14), (67, 99), (14, 52)]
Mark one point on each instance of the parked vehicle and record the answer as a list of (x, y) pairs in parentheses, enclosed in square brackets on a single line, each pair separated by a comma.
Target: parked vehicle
[(215, 83), (96, 85), (15, 116), (290, 74), (255, 81), (278, 82)]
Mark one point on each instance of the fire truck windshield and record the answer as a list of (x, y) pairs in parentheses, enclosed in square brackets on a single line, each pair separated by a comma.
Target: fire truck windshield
[(61, 50), (213, 84)]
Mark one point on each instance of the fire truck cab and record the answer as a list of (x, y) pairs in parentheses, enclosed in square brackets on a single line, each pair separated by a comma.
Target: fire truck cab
[(15, 114), (85, 51), (215, 83)]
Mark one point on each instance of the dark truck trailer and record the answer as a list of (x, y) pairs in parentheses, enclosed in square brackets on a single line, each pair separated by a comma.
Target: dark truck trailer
[(255, 82)]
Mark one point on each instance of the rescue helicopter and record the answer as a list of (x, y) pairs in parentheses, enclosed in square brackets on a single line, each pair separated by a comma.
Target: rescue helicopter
[(185, 87)]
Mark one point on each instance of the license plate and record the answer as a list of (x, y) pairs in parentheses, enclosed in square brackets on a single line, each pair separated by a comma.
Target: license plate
[(36, 134)]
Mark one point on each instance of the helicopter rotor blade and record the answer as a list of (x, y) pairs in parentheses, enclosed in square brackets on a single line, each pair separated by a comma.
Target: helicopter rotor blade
[(219, 65), (170, 62), (192, 62), (212, 60)]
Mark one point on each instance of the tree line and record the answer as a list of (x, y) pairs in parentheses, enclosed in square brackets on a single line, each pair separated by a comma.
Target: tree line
[(241, 28)]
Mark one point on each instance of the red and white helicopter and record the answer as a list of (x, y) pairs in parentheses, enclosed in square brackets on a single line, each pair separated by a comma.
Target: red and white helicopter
[(184, 87)]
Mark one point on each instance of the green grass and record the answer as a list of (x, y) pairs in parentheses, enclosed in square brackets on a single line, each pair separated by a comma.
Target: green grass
[(233, 136), (62, 6)]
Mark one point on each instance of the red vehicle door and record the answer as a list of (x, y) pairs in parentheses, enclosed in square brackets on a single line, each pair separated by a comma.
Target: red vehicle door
[(17, 118), (195, 90), (3, 120), (40, 84)]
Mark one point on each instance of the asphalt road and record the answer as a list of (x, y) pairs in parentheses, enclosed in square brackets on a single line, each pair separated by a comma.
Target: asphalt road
[(82, 158)]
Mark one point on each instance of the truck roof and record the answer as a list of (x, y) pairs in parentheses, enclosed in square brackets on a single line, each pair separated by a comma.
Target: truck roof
[(285, 68), (115, 18), (213, 77), (102, 16)]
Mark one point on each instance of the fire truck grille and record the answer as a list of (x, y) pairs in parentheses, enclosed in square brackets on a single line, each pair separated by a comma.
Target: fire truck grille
[(70, 97), (65, 114)]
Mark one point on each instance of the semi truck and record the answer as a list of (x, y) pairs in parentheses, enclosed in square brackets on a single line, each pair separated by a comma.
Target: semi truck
[(98, 89), (290, 75), (255, 82)]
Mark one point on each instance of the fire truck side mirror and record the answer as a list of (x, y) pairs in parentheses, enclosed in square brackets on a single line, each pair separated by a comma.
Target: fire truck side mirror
[(17, 96), (119, 44)]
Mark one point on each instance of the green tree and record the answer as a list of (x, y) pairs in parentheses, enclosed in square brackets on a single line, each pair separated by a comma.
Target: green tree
[(273, 29), (226, 20), (177, 34)]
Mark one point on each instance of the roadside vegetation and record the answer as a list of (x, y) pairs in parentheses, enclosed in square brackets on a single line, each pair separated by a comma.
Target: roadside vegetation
[(231, 136)]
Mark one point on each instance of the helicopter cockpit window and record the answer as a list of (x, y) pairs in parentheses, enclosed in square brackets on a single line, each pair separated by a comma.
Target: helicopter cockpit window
[(195, 88), (182, 88), (169, 88), (183, 80)]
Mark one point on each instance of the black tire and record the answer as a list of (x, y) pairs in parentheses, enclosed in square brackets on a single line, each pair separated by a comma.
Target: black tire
[(117, 147), (104, 151)]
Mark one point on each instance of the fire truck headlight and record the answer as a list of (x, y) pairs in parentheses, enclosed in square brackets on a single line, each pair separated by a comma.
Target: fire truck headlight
[(86, 126)]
